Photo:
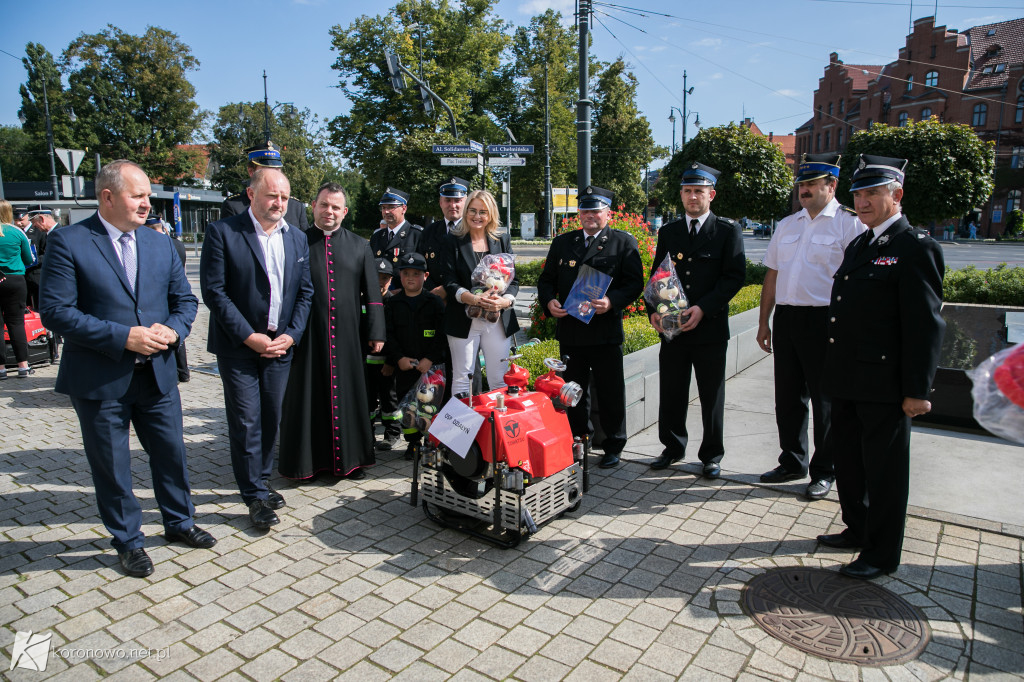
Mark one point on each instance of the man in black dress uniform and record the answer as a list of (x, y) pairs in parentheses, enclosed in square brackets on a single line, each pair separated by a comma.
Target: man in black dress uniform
[(707, 252), (265, 156), (453, 201), (596, 346), (398, 236), (885, 332)]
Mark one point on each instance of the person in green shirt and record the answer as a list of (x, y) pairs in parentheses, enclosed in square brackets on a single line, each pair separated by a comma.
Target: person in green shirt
[(15, 254)]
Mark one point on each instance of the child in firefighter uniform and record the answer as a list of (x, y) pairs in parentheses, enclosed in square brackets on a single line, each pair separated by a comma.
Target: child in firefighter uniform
[(415, 332), (380, 388)]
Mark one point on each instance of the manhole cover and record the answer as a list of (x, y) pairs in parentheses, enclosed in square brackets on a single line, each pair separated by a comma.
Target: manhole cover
[(829, 615)]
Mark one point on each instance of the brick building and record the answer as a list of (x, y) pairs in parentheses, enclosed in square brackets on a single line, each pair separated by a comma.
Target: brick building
[(975, 77)]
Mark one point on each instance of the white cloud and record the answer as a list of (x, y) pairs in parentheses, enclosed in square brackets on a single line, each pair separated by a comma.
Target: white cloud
[(980, 21), (790, 93), (658, 48), (708, 42), (533, 7)]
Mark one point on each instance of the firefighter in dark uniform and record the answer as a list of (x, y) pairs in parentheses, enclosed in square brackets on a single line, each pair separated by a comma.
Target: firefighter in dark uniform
[(595, 347), (265, 156), (453, 201), (380, 387), (398, 236), (885, 332), (707, 252)]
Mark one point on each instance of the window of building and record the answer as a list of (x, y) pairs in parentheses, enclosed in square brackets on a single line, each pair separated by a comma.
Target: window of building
[(991, 32), (1018, 116), (980, 115), (841, 107), (931, 79), (830, 108), (817, 142), (1013, 200), (839, 139), (926, 113), (870, 123), (819, 112), (987, 69), (1017, 158), (933, 52), (910, 83), (902, 119), (828, 139), (999, 68)]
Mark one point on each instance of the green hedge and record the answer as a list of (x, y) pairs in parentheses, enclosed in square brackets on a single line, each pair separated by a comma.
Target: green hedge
[(529, 273), (999, 286)]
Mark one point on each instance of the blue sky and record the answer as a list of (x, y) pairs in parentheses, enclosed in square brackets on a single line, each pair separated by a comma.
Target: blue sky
[(761, 59)]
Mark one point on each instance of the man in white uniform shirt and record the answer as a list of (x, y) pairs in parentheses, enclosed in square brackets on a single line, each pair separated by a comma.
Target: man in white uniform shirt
[(804, 253)]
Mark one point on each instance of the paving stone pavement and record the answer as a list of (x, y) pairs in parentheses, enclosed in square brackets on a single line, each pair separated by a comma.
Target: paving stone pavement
[(642, 583)]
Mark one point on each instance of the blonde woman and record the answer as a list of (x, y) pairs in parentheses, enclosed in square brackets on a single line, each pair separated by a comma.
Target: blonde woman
[(472, 239), (15, 254)]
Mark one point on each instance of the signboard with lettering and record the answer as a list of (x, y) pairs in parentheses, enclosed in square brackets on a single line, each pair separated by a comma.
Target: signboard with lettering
[(456, 426), (505, 161), (510, 149), (458, 160)]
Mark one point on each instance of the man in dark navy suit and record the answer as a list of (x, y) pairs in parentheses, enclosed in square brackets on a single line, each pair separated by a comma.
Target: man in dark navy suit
[(254, 275), (884, 336), (707, 252), (119, 297), (264, 156)]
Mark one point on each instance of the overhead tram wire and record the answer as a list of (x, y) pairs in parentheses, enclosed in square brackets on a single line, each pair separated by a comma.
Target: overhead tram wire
[(644, 13), (635, 58), (770, 47), (908, 4)]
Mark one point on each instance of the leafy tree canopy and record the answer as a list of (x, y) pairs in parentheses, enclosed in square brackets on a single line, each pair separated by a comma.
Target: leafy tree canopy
[(949, 171), (755, 180), (133, 99)]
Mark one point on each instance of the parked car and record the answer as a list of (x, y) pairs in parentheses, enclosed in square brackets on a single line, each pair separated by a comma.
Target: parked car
[(761, 230)]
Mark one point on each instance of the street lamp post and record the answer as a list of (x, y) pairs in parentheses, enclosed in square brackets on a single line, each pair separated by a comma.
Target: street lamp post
[(672, 117), (684, 112)]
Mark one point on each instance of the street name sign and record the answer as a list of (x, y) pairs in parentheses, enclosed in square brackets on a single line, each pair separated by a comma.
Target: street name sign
[(510, 149), (458, 160), (505, 161)]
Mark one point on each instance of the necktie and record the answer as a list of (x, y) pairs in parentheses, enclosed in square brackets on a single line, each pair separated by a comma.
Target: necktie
[(391, 235), (693, 228), (588, 241), (128, 258), (450, 225)]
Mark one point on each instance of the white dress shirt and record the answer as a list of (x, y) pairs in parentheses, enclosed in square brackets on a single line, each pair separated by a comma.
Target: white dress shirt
[(806, 253), (115, 238), (701, 219), (272, 246), (879, 229)]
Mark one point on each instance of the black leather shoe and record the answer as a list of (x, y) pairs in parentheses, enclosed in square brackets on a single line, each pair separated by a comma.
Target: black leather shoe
[(839, 541), (665, 459), (862, 570), (274, 498), (780, 474), (356, 474), (136, 563), (262, 514), (712, 470), (816, 490), (609, 461), (193, 537)]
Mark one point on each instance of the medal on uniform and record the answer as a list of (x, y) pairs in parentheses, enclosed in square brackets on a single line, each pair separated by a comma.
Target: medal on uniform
[(679, 256), (572, 264), (378, 252)]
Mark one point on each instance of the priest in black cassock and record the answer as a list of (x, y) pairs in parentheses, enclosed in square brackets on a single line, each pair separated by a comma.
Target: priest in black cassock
[(323, 425)]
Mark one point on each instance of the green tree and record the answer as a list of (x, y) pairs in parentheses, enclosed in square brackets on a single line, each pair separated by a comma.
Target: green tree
[(544, 40), (755, 180), (133, 99), (17, 155), (309, 160), (41, 67), (386, 134), (950, 170), (622, 143)]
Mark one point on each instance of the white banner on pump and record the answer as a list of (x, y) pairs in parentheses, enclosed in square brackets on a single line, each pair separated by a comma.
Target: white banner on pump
[(456, 426)]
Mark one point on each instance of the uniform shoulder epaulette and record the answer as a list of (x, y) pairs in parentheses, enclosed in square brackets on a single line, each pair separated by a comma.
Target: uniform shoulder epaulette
[(728, 221), (418, 227), (847, 209)]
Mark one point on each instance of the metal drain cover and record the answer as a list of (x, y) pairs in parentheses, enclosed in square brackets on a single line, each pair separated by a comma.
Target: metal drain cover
[(829, 615)]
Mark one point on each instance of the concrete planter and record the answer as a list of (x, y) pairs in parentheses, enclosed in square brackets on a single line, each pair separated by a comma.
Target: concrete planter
[(643, 378)]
